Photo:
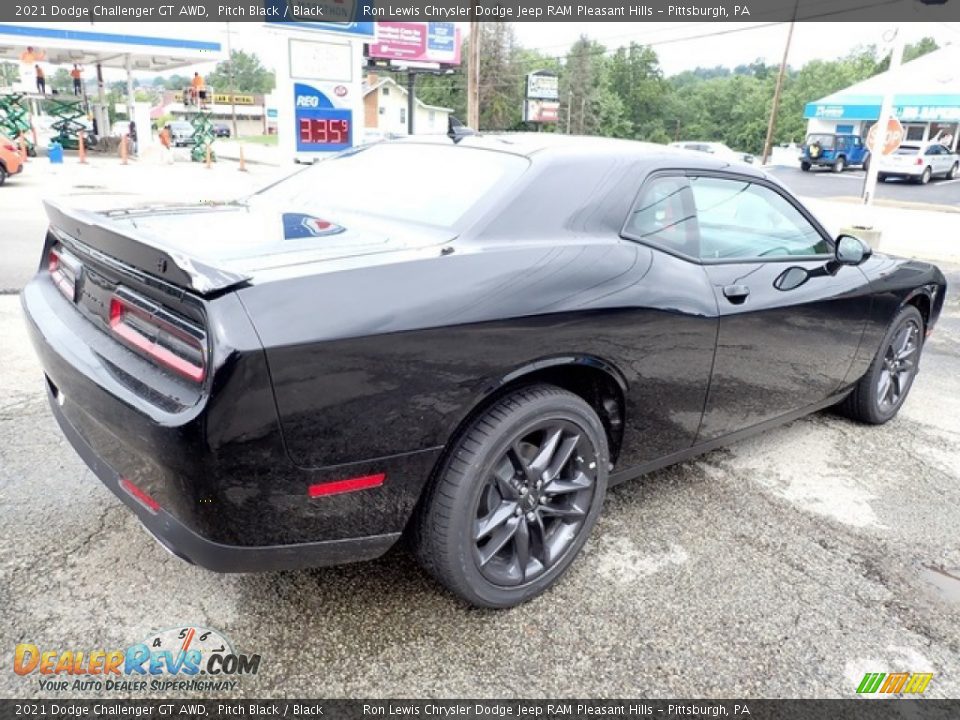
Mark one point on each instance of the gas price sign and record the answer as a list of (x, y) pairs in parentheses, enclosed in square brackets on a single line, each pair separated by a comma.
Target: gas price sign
[(320, 127)]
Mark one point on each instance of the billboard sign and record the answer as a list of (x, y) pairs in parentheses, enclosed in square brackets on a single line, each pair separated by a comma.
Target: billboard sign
[(434, 42), (543, 85), (541, 111)]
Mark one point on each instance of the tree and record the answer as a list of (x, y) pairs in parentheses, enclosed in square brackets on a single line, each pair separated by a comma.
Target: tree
[(9, 73), (249, 74), (60, 81), (586, 107), (501, 77), (636, 78)]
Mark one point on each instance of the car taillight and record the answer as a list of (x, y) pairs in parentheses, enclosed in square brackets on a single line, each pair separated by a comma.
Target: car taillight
[(168, 342), (919, 161), (64, 270), (10, 148)]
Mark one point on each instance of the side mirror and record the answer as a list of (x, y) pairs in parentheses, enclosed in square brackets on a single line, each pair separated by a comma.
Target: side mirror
[(851, 250)]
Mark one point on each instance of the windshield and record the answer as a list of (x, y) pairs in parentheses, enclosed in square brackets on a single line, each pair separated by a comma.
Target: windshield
[(430, 184), (825, 141)]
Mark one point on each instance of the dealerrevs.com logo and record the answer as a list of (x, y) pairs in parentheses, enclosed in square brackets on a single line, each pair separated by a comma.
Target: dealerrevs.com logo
[(177, 659)]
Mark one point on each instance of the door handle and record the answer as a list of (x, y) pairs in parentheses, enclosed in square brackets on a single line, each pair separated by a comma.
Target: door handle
[(736, 294)]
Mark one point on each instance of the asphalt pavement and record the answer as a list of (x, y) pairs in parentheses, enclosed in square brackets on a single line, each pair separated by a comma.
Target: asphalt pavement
[(824, 183), (784, 566)]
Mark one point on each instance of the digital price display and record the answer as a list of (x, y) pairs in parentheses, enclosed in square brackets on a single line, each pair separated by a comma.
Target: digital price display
[(320, 126), (324, 131)]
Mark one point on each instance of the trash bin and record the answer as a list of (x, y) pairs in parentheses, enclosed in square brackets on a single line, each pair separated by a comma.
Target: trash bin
[(55, 153), (869, 234)]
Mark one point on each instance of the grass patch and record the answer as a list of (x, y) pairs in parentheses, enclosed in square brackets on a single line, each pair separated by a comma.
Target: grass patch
[(259, 139)]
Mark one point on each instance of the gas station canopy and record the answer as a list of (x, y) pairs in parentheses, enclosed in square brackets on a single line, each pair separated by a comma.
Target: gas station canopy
[(86, 44)]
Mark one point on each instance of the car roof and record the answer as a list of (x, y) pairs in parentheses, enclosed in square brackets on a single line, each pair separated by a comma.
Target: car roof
[(544, 146)]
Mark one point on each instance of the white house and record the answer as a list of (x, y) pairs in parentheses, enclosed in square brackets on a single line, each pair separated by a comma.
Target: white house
[(385, 110)]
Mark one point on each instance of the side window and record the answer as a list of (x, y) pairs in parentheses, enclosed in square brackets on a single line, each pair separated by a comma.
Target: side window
[(933, 150), (739, 219), (665, 215)]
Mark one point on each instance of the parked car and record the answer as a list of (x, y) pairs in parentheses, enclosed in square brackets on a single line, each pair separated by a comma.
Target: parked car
[(836, 151), (919, 163), (718, 150), (10, 161), (221, 130), (471, 362), (181, 133)]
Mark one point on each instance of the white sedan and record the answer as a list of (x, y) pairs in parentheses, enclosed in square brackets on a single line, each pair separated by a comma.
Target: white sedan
[(718, 150), (919, 163)]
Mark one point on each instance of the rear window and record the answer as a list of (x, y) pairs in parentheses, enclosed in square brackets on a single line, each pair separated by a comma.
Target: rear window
[(429, 184), (823, 140), (907, 150)]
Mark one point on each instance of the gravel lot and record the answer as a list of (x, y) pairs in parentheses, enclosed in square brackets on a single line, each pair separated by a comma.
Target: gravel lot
[(787, 565), (784, 566)]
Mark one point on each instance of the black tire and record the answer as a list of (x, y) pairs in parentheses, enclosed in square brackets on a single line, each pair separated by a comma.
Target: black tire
[(953, 171), (866, 403), (3, 174), (805, 166), (839, 164), (866, 164), (484, 518), (925, 176)]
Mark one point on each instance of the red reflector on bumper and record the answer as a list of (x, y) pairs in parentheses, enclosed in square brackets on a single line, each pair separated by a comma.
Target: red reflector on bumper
[(344, 486), (140, 496)]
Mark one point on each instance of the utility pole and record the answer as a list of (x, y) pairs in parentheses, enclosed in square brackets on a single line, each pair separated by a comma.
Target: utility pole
[(886, 112), (772, 125), (473, 77), (411, 106), (569, 110), (233, 86)]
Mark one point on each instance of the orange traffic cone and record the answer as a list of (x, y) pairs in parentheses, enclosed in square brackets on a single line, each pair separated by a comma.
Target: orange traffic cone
[(81, 148)]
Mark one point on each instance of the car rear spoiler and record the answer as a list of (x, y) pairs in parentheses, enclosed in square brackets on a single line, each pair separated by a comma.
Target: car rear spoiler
[(140, 250)]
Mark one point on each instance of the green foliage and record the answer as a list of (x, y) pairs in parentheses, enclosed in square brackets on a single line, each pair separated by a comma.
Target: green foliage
[(9, 73), (249, 75), (60, 81)]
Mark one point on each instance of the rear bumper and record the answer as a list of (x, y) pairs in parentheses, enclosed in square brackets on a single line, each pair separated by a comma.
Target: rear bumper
[(901, 171), (228, 497), (188, 545)]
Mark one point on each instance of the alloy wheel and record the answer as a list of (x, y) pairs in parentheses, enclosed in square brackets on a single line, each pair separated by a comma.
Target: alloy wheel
[(534, 503), (899, 366)]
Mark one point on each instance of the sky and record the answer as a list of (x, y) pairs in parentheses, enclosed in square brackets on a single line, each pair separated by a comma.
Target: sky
[(750, 41), (680, 46)]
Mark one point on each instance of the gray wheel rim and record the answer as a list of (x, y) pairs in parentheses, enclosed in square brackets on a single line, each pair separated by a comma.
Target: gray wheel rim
[(534, 503), (899, 365)]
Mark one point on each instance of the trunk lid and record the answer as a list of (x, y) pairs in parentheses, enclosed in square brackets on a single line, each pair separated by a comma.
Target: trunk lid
[(209, 248)]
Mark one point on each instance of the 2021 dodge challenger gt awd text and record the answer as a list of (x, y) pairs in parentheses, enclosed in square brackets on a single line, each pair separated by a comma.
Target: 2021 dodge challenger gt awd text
[(463, 342)]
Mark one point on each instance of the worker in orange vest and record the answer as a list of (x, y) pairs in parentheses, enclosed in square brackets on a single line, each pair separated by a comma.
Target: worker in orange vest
[(77, 74), (199, 88)]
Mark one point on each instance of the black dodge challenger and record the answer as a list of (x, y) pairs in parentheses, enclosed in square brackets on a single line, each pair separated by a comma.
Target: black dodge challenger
[(464, 342)]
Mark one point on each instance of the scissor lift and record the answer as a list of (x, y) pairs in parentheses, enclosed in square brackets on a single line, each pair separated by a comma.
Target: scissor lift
[(66, 125), (202, 120), (15, 119)]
